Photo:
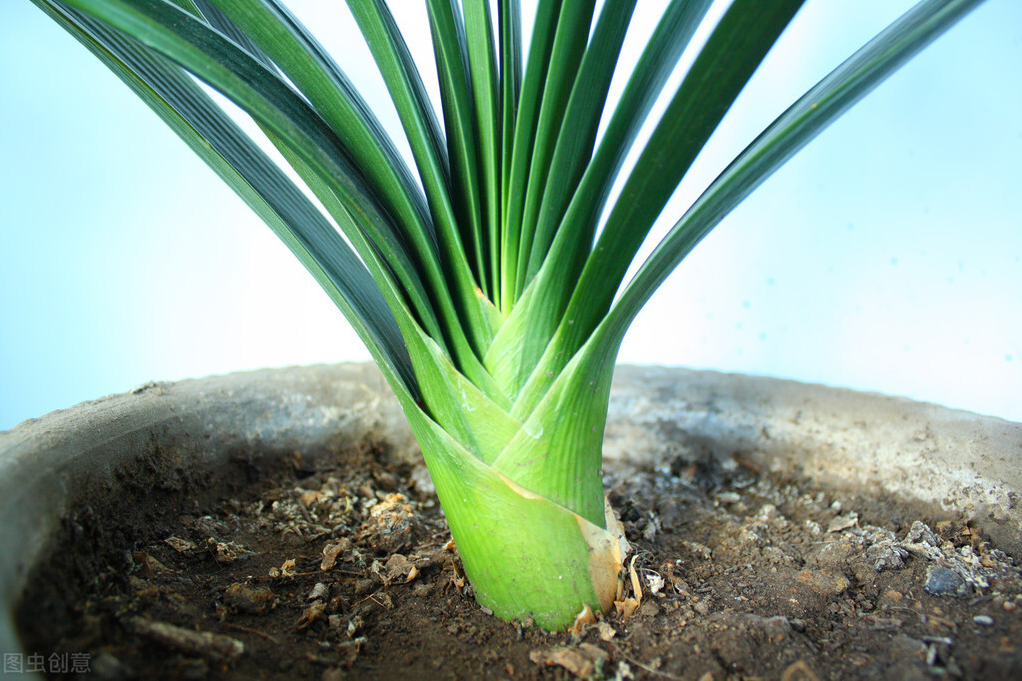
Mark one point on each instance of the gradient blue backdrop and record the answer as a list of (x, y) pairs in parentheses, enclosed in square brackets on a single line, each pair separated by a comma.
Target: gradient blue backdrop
[(885, 256)]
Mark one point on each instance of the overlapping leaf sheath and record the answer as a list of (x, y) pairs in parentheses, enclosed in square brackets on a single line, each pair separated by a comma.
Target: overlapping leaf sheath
[(522, 492)]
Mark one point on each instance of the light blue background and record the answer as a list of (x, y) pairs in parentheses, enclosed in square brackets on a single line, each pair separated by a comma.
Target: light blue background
[(885, 256)]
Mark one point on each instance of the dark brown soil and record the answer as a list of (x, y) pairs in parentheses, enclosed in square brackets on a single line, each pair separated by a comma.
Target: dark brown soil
[(343, 569)]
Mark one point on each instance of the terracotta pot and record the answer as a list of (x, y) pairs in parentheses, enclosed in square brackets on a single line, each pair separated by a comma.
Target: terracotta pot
[(205, 437)]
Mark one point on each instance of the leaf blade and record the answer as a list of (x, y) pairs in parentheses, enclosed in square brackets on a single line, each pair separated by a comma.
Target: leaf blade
[(231, 154), (574, 146), (735, 49), (484, 81), (533, 80), (795, 128), (449, 46), (511, 85), (429, 148), (569, 47)]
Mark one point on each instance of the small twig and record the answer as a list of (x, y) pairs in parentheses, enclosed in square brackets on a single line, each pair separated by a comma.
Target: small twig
[(209, 645), (252, 631), (647, 668)]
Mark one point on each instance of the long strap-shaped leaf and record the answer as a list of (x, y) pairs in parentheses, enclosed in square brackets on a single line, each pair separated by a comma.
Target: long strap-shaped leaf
[(221, 63), (451, 51), (485, 82), (570, 42), (510, 87), (430, 151), (218, 20), (278, 36), (733, 52), (575, 225), (574, 146), (795, 128), (315, 74), (308, 144), (230, 153), (530, 99)]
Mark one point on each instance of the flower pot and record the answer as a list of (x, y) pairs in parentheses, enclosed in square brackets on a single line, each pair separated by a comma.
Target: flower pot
[(129, 462)]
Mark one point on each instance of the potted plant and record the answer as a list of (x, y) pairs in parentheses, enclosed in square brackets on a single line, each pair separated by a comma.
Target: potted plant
[(489, 299)]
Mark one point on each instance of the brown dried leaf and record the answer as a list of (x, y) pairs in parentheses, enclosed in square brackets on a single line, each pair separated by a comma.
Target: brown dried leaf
[(626, 608), (636, 585), (285, 570), (582, 661), (457, 576), (843, 522), (677, 582), (180, 545), (243, 598), (582, 620), (400, 570), (226, 553), (151, 565), (311, 614), (216, 647), (331, 552), (799, 671), (312, 497), (320, 592)]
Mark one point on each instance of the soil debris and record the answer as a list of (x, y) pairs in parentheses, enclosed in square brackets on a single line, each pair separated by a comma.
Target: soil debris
[(248, 599), (216, 647), (583, 661), (343, 567)]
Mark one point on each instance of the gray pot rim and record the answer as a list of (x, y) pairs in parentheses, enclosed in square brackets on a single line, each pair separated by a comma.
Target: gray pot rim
[(943, 460)]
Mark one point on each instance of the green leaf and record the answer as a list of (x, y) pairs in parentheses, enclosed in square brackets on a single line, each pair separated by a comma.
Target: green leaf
[(231, 154), (288, 118), (574, 146), (215, 18), (569, 46), (577, 224), (479, 423), (482, 61), (526, 556), (451, 52), (733, 52), (285, 43), (795, 128), (557, 453), (511, 84), (429, 148), (523, 338), (540, 49)]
